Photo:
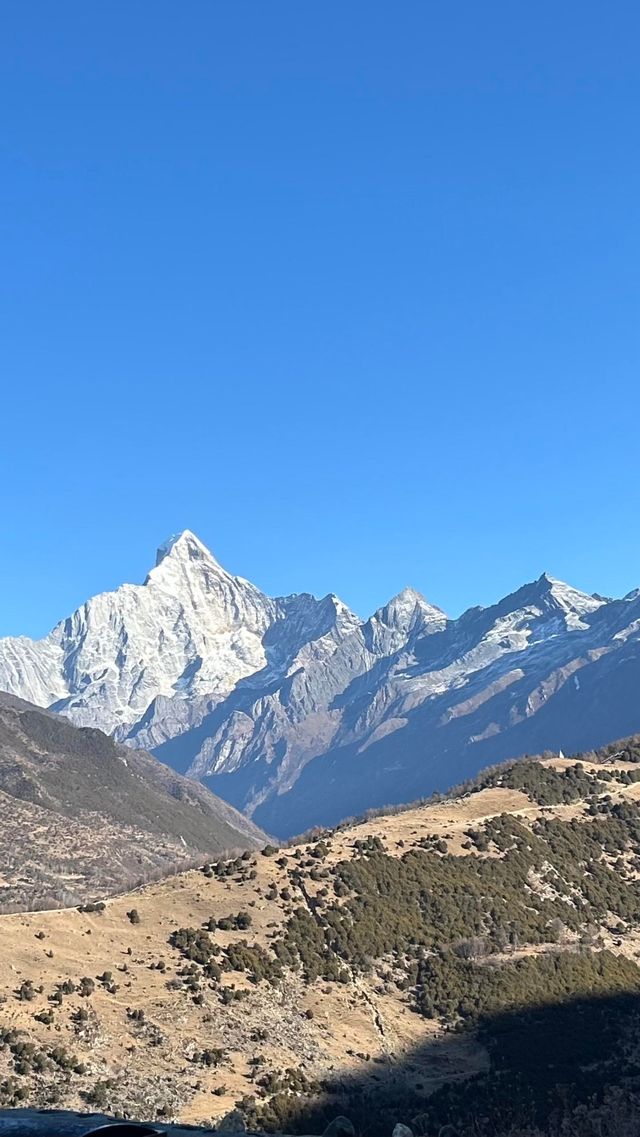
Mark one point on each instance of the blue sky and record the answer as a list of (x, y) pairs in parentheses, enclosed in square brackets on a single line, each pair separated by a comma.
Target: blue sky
[(349, 288)]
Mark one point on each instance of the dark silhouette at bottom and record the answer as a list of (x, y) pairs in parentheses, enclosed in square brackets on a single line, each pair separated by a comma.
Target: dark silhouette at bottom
[(569, 1069), (550, 1068)]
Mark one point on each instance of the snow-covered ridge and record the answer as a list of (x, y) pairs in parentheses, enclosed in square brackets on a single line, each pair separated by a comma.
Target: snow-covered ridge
[(190, 629), (222, 680)]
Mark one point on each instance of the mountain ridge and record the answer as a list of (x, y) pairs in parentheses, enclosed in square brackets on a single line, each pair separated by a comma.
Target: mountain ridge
[(247, 692)]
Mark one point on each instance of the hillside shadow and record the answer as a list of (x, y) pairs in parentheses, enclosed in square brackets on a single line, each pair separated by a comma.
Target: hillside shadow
[(566, 1069), (570, 1067)]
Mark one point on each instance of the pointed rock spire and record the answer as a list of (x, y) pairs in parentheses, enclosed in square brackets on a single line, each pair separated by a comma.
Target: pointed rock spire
[(184, 545)]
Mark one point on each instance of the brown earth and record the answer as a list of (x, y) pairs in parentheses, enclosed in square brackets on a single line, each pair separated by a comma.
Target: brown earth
[(322, 1029), (81, 816)]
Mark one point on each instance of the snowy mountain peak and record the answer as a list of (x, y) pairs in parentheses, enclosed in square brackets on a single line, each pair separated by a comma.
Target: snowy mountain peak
[(409, 607), (552, 600), (343, 615), (184, 545), (563, 596), (214, 675), (407, 614), (408, 596), (183, 562)]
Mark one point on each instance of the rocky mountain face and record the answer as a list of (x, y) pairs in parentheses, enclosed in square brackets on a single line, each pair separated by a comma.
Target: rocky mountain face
[(84, 817), (298, 712)]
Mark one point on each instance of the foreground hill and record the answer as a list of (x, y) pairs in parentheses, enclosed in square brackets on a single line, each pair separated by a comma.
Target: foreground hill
[(82, 816), (468, 962), (298, 712)]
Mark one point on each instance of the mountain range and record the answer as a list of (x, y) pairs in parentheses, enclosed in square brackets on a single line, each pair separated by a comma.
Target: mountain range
[(298, 712)]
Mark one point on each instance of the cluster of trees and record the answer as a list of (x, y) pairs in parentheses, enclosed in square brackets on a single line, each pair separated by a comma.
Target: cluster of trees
[(543, 784), (195, 944), (425, 899), (458, 989), (234, 923), (223, 869), (254, 961), (208, 959), (30, 1058)]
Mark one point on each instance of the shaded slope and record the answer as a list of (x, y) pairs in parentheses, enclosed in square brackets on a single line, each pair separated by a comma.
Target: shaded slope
[(433, 752), (82, 815)]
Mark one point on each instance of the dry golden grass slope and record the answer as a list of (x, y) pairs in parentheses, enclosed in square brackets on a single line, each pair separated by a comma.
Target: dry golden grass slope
[(141, 1037)]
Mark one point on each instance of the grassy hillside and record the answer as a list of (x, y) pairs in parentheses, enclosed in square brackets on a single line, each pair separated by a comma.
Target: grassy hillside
[(82, 816), (470, 962)]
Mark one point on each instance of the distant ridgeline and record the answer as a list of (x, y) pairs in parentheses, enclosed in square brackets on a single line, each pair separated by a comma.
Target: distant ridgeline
[(298, 712), (545, 784)]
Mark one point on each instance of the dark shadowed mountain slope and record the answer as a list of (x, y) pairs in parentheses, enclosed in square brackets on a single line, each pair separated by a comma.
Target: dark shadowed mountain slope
[(81, 815), (433, 751)]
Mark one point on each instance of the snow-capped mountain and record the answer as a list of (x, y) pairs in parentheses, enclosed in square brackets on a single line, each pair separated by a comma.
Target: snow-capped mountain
[(299, 712), (190, 629)]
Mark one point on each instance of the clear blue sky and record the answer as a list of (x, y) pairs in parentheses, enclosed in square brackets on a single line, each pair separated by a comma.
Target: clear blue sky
[(350, 288)]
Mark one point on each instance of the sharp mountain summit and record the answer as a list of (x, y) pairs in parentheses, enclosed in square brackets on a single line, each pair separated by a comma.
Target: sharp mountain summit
[(299, 713)]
